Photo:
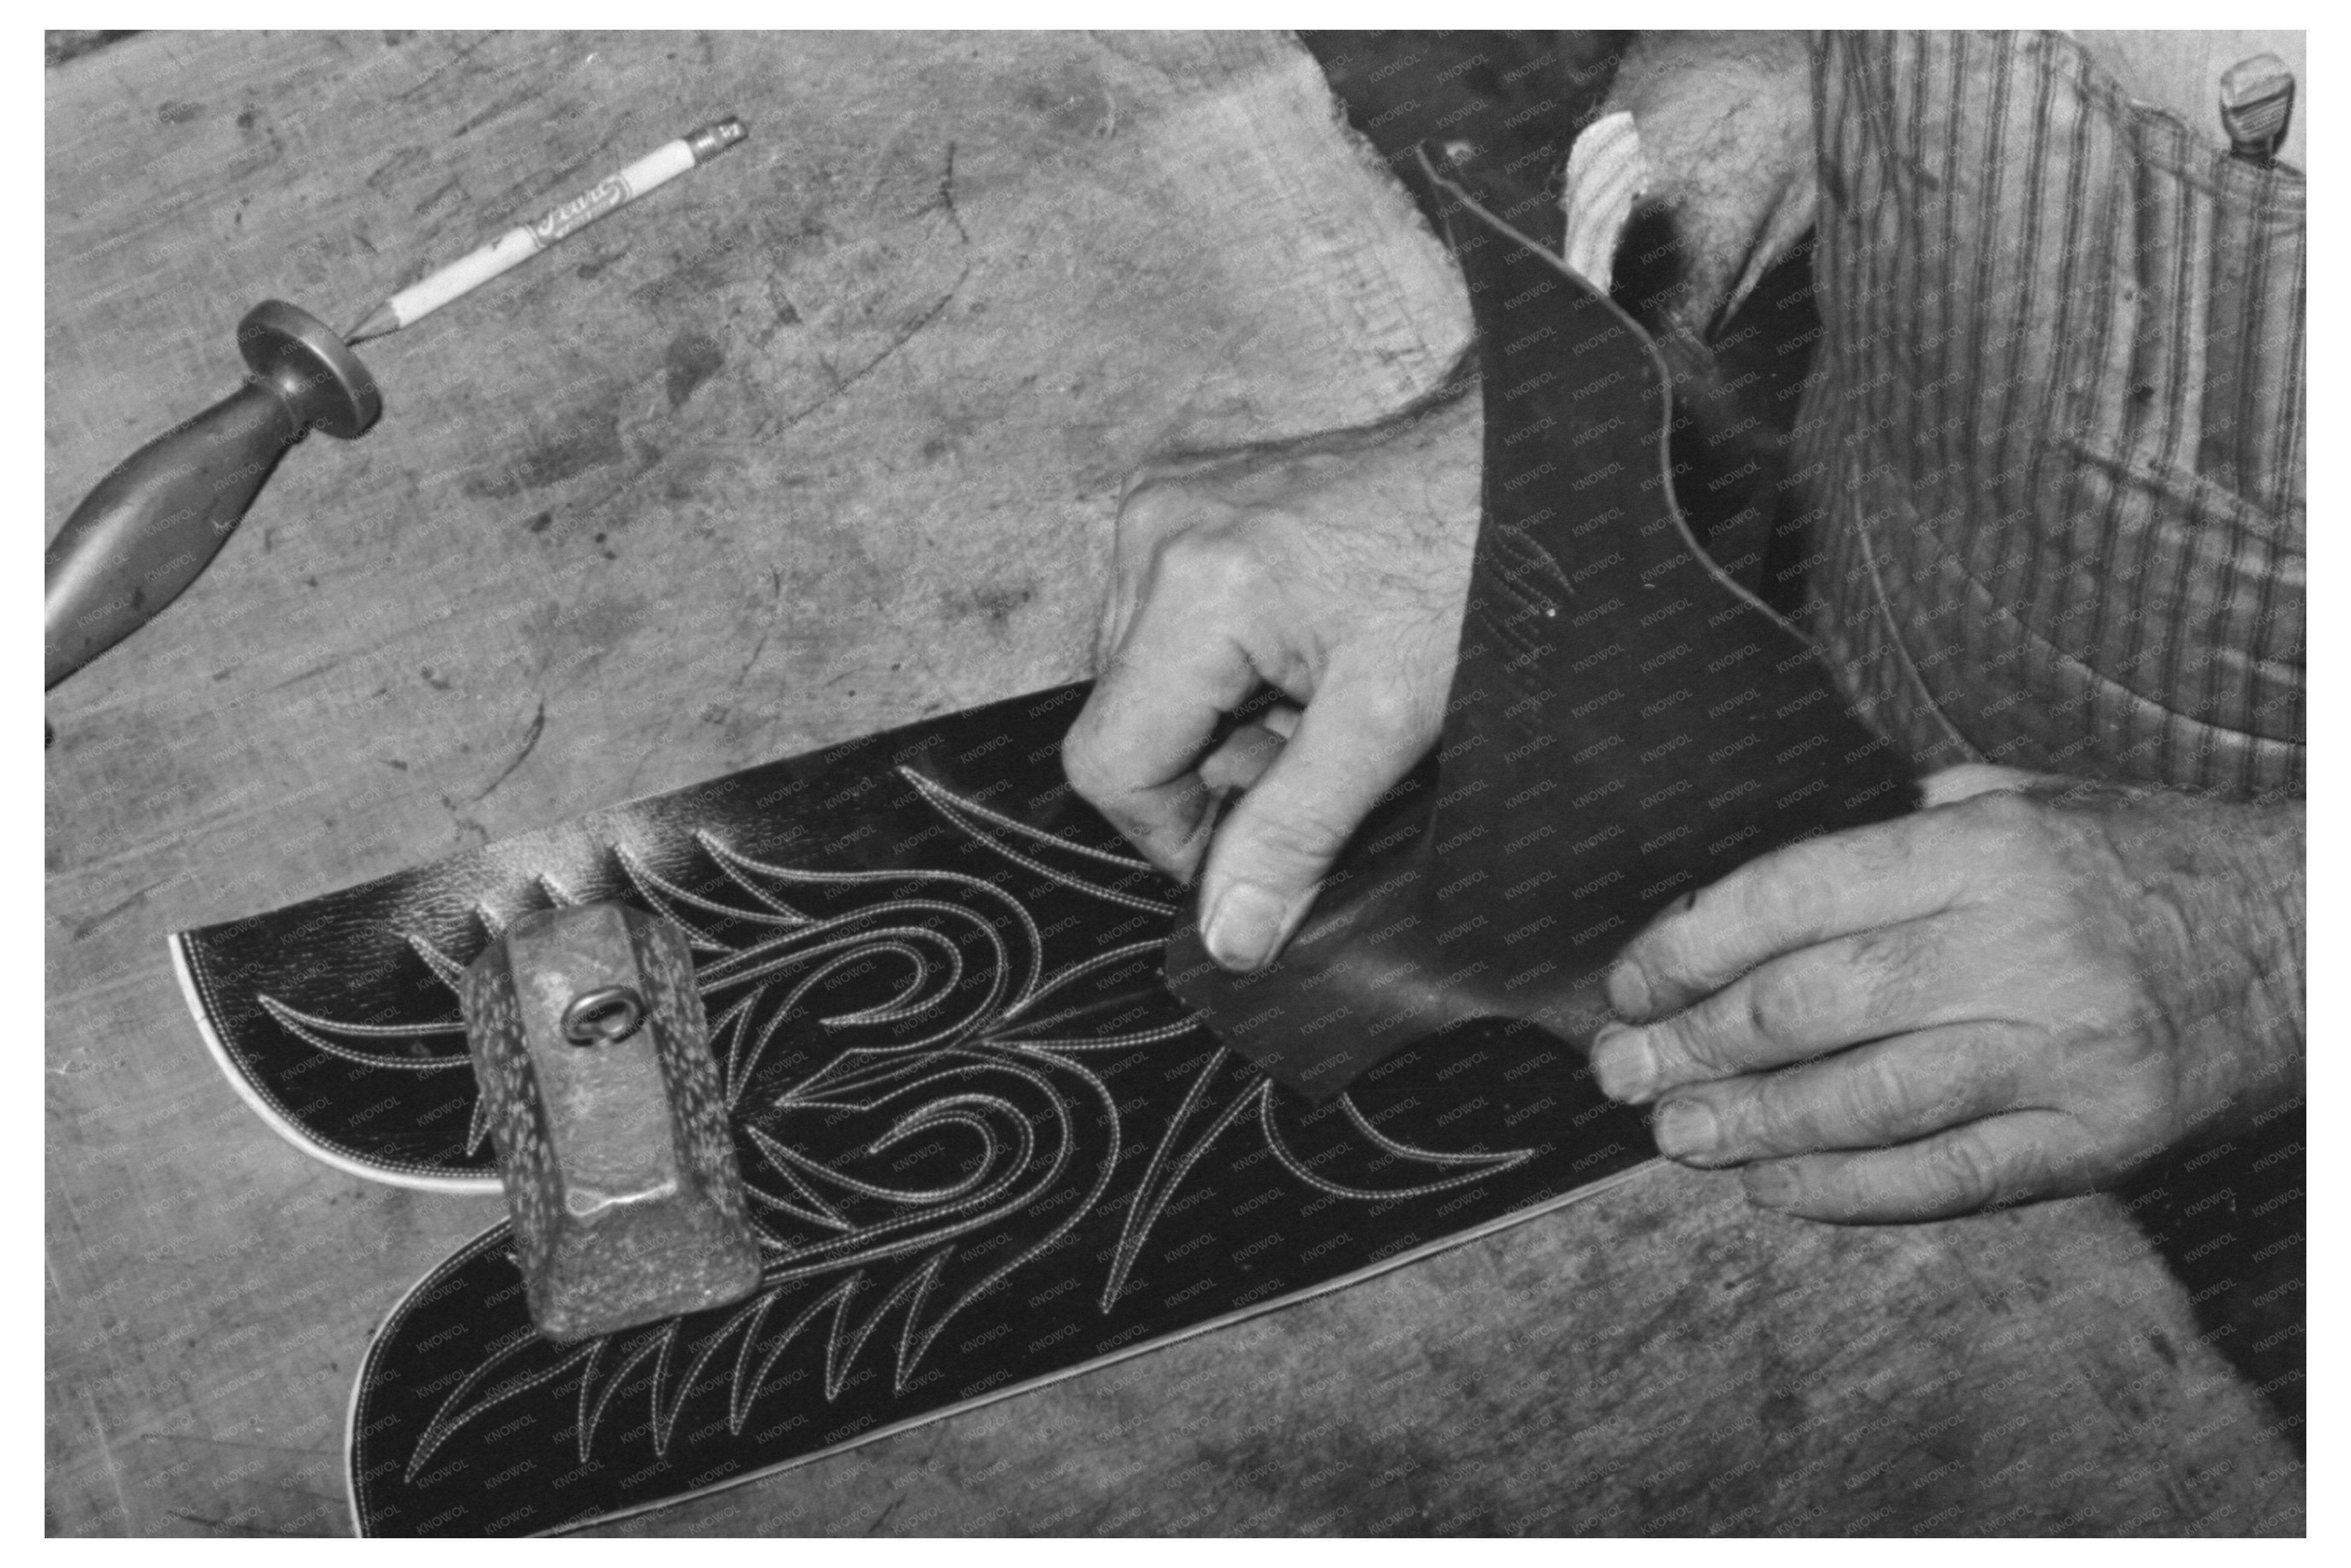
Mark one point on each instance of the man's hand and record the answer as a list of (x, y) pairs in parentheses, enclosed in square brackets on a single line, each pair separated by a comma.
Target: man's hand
[(2021, 994), (1334, 570)]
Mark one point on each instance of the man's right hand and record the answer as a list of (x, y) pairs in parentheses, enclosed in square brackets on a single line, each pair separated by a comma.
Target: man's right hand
[(1333, 570)]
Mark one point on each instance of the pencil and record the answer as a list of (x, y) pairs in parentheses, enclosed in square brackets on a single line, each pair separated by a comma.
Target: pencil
[(522, 242)]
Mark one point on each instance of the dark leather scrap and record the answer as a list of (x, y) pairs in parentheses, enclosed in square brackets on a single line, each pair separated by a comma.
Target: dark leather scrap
[(1626, 724)]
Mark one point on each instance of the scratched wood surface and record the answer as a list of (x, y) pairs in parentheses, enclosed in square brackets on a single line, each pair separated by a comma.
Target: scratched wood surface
[(822, 438)]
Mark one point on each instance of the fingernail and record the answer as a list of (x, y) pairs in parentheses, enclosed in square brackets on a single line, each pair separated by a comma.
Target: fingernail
[(1769, 1186), (1245, 926), (1624, 1064), (1628, 989), (1686, 1129)]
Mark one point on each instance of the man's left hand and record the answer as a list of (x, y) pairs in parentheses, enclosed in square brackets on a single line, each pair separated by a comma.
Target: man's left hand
[(2022, 993)]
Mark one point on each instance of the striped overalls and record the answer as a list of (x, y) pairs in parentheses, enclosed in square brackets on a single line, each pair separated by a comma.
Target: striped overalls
[(2055, 454)]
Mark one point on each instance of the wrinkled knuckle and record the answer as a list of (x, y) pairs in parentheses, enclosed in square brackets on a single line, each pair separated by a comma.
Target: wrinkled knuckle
[(1874, 1097), (1779, 897), (1697, 1042), (2112, 1004), (2086, 1002), (2001, 820), (1883, 853), (1890, 965), (1985, 1081), (1307, 835), (1210, 565), (1393, 715), (1777, 1004), (1081, 761), (1963, 1172), (1155, 503), (1384, 708)]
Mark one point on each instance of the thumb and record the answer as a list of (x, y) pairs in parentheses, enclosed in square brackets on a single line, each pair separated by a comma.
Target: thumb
[(1355, 740)]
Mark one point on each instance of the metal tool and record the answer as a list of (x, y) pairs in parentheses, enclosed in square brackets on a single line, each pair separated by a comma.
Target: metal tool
[(155, 522), (609, 1119)]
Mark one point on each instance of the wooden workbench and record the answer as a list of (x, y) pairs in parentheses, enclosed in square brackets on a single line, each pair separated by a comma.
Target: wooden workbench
[(823, 438)]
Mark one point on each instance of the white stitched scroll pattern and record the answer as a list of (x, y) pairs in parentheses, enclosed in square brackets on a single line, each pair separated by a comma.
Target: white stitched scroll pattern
[(922, 1113)]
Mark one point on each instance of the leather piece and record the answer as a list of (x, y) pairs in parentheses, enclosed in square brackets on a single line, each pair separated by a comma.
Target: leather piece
[(983, 1147), (1626, 724)]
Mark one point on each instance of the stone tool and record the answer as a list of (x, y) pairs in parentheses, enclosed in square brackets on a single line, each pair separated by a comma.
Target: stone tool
[(605, 1104)]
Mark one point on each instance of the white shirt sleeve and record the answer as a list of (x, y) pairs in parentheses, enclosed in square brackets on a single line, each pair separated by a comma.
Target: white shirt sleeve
[(1605, 175)]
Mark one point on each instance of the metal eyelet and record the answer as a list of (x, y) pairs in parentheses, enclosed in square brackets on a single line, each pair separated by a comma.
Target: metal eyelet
[(604, 1017)]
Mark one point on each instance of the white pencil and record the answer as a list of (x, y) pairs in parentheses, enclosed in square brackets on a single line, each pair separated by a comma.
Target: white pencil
[(522, 242)]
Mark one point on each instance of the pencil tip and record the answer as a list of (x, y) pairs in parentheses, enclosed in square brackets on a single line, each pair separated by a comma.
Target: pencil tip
[(378, 322)]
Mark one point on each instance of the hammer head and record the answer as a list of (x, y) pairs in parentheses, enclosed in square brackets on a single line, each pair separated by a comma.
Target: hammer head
[(591, 1050)]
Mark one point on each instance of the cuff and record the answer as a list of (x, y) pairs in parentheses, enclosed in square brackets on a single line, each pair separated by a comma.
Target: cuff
[(1605, 175)]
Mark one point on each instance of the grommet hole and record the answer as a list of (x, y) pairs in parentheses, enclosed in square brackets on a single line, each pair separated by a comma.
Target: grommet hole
[(604, 1017)]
